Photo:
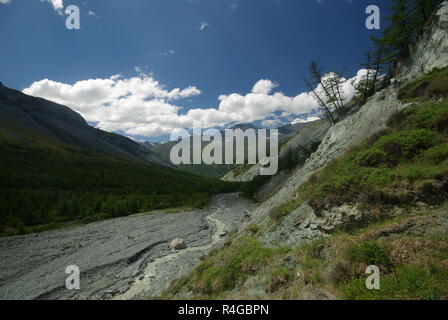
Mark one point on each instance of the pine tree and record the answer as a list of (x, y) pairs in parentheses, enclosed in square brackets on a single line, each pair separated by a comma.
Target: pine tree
[(378, 66), (422, 11), (396, 36), (406, 23)]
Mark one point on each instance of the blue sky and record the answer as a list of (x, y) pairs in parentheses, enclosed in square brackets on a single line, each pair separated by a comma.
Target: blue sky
[(215, 47)]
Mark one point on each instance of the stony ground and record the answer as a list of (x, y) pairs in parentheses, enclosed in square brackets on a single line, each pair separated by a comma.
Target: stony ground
[(125, 258)]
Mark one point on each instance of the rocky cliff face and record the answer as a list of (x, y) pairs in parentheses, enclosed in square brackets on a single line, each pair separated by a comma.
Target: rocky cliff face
[(430, 51), (303, 224)]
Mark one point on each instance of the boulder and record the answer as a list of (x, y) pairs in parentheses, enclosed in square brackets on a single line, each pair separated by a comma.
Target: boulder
[(178, 244), (223, 233)]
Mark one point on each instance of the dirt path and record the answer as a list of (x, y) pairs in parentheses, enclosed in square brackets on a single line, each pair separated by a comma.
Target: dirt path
[(125, 258)]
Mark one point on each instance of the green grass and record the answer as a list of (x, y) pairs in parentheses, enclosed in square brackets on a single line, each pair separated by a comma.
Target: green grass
[(432, 85), (18, 228), (370, 253), (213, 170), (403, 164), (413, 284), (341, 260), (280, 212), (227, 268)]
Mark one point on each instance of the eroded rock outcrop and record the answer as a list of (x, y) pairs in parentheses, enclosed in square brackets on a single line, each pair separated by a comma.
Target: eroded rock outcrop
[(430, 51)]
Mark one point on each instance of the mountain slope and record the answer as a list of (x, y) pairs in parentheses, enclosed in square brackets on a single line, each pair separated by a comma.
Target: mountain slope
[(298, 140), (36, 121), (163, 150), (55, 169), (374, 193)]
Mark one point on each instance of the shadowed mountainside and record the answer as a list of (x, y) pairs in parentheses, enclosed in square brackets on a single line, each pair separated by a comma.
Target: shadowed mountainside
[(37, 122)]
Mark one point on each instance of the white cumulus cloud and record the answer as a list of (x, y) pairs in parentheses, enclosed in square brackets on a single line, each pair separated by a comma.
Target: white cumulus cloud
[(308, 119), (271, 123), (136, 105), (58, 5), (142, 106), (264, 86), (203, 26)]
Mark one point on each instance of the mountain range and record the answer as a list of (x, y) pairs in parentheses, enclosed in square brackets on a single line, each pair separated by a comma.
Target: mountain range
[(39, 122), (56, 169), (163, 149)]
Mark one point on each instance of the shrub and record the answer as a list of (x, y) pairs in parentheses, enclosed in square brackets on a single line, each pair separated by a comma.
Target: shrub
[(370, 253)]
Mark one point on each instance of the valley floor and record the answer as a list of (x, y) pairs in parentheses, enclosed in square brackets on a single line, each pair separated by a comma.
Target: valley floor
[(124, 258)]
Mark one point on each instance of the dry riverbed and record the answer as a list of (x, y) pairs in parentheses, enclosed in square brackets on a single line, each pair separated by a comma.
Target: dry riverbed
[(124, 258)]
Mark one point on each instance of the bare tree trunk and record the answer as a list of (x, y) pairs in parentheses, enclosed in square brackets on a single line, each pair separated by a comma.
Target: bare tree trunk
[(318, 79), (378, 63), (338, 89), (311, 88)]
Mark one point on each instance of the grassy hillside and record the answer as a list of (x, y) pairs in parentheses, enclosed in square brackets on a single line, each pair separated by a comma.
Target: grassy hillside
[(404, 168), (401, 165), (413, 265), (404, 164), (43, 187), (411, 252)]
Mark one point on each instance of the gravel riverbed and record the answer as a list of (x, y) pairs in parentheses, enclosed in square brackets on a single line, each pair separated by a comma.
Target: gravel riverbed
[(124, 258)]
